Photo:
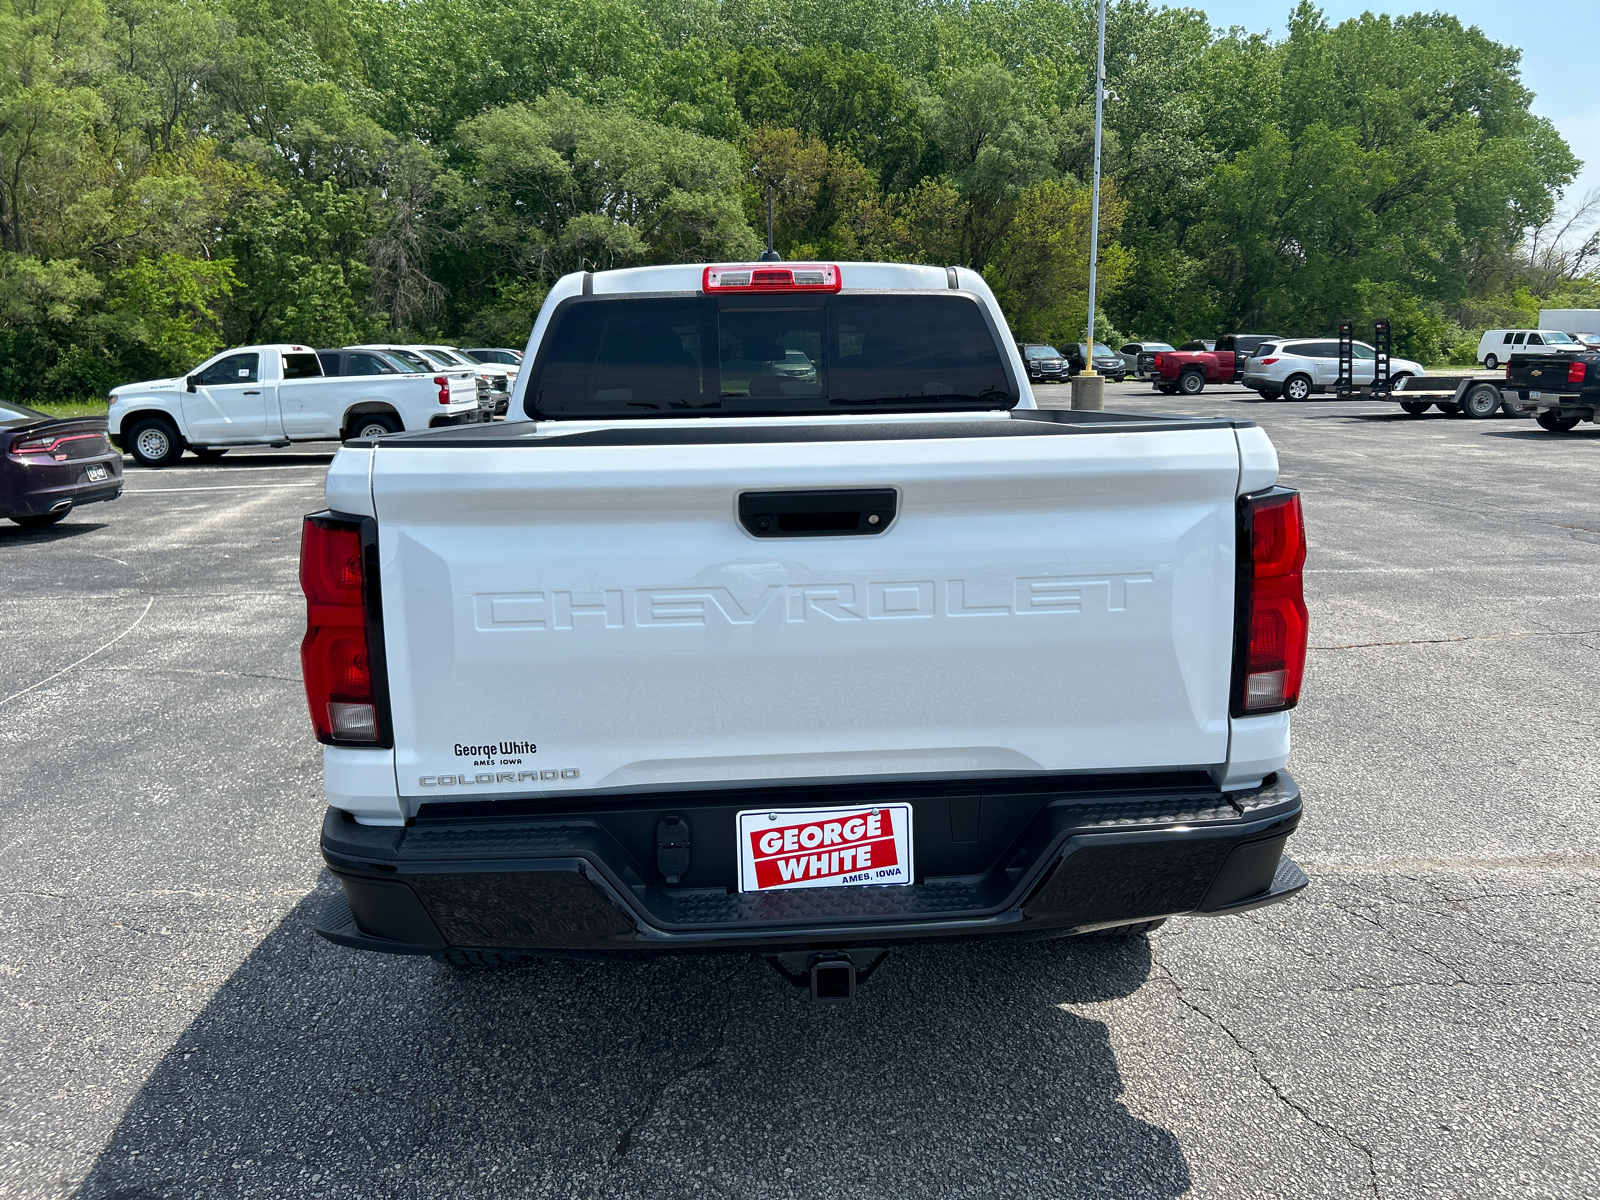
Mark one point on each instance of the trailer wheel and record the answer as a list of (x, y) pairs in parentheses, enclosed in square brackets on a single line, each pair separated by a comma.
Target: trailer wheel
[(1555, 424), (1482, 401), (1490, 361), (1416, 407), (1297, 388), (1191, 383)]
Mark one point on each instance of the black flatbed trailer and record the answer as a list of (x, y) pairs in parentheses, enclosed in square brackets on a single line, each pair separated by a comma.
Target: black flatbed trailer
[(1477, 395)]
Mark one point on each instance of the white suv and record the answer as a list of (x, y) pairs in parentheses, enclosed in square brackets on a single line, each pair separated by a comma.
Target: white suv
[(1296, 369)]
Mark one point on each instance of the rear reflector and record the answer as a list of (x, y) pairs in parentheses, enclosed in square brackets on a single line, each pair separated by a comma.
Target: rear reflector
[(1270, 656), (771, 277), (334, 657)]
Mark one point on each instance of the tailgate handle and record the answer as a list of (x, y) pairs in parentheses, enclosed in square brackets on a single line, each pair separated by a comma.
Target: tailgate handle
[(834, 513)]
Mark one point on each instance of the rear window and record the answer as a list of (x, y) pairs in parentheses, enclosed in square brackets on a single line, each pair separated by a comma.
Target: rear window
[(671, 356), (1264, 349), (301, 366)]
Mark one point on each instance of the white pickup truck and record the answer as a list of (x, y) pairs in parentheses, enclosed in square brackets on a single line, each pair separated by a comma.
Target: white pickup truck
[(779, 619), (274, 395)]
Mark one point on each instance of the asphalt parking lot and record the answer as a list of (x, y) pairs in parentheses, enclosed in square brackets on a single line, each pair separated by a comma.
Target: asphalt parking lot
[(1421, 1021)]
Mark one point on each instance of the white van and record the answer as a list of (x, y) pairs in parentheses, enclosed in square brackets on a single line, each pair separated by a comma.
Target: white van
[(1498, 345)]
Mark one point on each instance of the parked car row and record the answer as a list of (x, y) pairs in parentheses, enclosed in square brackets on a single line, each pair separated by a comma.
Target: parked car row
[(1046, 364), (277, 394)]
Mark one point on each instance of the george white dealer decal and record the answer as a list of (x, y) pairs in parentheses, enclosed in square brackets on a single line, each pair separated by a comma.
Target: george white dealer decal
[(891, 600)]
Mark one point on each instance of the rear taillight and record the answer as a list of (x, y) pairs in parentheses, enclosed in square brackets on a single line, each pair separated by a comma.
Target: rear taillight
[(1576, 372), (1270, 655), (1508, 370), (1267, 362), (335, 657), (443, 385), (1156, 362)]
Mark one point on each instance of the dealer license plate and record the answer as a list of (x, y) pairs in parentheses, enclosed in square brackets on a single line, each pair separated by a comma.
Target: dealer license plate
[(1534, 395), (786, 848), (98, 471)]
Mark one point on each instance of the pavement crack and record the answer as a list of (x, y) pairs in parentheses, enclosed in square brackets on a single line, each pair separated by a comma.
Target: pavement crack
[(1267, 1081), (658, 1086)]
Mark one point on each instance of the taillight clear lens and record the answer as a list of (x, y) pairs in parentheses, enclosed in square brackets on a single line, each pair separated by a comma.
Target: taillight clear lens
[(334, 657), (1275, 623)]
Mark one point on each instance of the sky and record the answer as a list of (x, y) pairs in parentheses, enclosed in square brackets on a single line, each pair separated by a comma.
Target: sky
[(1557, 53)]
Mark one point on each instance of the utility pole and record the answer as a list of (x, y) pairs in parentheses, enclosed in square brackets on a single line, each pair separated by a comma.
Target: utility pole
[(1092, 392)]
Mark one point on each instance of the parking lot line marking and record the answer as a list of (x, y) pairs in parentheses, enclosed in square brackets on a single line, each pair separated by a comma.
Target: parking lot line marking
[(86, 657)]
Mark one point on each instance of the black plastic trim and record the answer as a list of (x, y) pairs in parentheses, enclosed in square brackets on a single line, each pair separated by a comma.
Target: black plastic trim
[(826, 512), (476, 865), (1019, 422)]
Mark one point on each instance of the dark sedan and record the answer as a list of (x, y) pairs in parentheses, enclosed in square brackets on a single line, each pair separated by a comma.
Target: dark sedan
[(50, 465), (1045, 364), (1107, 361)]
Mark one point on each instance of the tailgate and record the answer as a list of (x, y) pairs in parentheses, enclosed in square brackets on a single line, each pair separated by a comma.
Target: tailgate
[(563, 618)]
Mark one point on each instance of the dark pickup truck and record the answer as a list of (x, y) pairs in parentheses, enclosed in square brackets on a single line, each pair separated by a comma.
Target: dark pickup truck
[(1190, 367), (1559, 390)]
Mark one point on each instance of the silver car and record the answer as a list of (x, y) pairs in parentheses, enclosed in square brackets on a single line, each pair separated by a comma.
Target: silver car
[(1298, 368)]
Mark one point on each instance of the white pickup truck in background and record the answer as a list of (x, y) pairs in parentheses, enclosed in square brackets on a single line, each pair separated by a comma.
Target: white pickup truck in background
[(274, 395), (779, 619)]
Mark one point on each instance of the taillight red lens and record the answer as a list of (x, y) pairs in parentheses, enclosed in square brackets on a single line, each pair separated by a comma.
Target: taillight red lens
[(1267, 362), (1576, 372), (1274, 623), (334, 657), (443, 385)]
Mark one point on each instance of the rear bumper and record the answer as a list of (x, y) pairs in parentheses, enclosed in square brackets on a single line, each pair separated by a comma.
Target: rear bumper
[(1040, 860), (35, 490)]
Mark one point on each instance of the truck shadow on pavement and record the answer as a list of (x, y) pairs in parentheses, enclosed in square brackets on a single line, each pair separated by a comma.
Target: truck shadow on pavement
[(958, 1071)]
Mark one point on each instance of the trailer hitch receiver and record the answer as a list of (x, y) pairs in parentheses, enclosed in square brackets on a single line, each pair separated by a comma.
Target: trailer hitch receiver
[(832, 976)]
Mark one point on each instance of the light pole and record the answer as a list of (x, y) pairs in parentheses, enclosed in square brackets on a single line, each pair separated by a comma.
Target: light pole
[(1092, 392)]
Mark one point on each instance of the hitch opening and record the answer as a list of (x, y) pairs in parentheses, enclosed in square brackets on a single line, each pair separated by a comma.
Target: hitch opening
[(832, 976)]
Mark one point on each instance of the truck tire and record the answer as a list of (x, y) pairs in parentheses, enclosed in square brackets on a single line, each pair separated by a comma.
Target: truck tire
[(373, 425), (1416, 407), (1133, 930), (1297, 388), (1555, 424), (1449, 406), (209, 453), (1481, 402), (1490, 361), (154, 442), (1270, 393), (1191, 383), (1167, 389)]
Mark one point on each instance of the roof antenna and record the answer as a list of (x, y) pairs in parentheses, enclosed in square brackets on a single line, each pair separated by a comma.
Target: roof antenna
[(769, 254)]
